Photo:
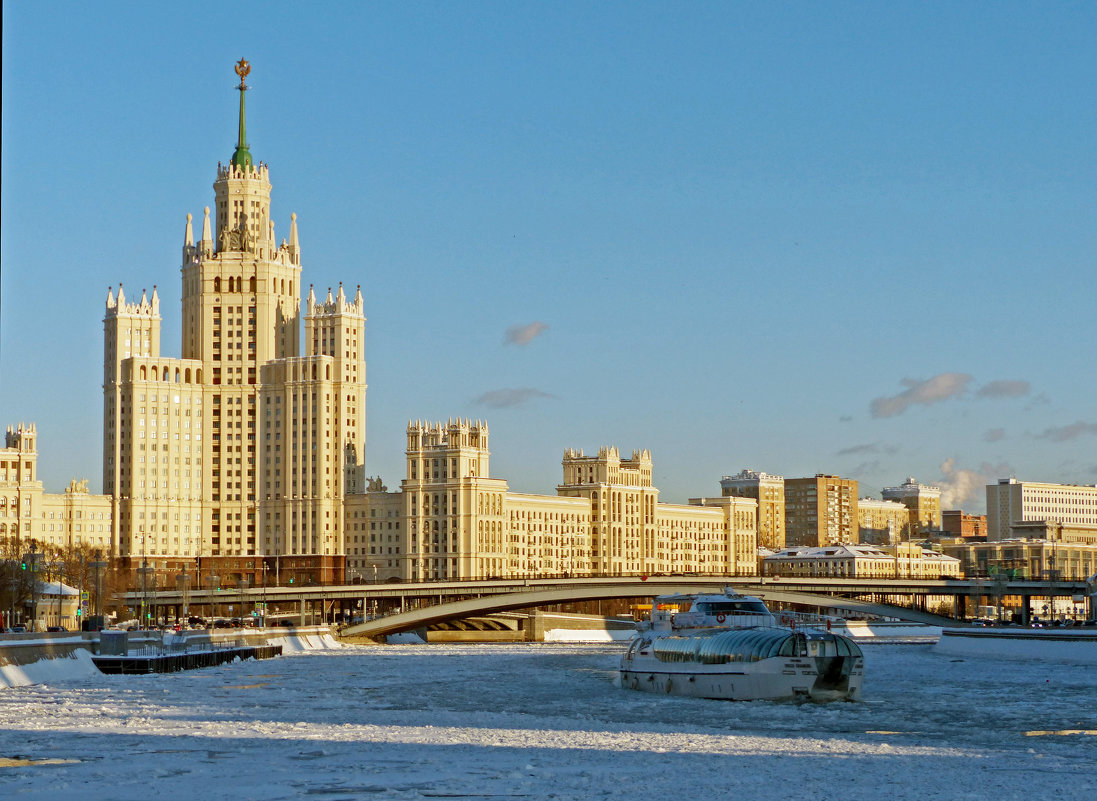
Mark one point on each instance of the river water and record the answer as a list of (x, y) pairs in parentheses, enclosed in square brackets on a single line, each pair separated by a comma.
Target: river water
[(543, 721)]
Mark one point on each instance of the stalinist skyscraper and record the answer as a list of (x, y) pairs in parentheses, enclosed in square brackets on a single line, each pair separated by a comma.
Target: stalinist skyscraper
[(240, 453)]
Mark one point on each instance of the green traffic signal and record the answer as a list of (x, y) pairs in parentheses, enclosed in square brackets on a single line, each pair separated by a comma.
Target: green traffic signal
[(22, 565)]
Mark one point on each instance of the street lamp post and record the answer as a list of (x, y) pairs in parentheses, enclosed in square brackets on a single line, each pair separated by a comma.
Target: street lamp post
[(98, 564), (33, 586), (183, 580)]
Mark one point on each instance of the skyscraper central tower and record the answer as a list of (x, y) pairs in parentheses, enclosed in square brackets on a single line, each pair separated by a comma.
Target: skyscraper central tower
[(243, 447)]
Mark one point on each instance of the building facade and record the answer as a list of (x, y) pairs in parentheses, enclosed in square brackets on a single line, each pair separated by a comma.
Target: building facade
[(924, 503), (247, 446), (821, 511), (1011, 502), (451, 519), (1025, 559), (904, 560), (881, 522), (965, 526), (64, 520), (769, 492)]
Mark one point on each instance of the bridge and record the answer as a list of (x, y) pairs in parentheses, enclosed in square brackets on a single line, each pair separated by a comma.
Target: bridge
[(410, 605)]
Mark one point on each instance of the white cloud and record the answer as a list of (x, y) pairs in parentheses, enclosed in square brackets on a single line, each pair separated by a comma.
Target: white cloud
[(921, 392), (524, 334)]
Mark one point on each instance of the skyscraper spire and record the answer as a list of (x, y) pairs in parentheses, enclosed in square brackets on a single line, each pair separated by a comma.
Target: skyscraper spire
[(241, 157)]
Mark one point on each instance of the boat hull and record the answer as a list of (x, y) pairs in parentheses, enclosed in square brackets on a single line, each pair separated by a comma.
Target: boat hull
[(819, 679)]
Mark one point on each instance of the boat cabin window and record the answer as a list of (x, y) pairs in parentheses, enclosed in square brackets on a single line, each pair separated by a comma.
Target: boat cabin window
[(732, 608)]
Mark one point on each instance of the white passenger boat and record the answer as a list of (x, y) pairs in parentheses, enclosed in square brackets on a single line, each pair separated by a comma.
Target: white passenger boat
[(730, 646)]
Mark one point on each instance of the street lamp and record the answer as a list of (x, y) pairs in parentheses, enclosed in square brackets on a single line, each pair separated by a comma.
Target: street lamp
[(183, 582), (33, 585), (98, 564)]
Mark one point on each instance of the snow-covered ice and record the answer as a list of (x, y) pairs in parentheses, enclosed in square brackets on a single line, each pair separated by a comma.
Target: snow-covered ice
[(541, 721)]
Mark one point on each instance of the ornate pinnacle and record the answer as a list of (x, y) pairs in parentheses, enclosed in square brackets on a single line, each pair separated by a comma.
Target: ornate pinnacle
[(241, 157)]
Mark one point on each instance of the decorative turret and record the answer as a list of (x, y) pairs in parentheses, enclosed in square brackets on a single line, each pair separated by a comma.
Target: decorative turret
[(207, 235), (294, 247)]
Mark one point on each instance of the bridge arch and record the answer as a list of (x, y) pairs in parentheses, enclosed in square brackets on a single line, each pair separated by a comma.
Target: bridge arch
[(487, 604)]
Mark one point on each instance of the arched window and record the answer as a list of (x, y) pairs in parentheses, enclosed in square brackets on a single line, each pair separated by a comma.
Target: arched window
[(186, 376), (144, 373), (251, 283), (217, 284), (327, 372), (154, 374)]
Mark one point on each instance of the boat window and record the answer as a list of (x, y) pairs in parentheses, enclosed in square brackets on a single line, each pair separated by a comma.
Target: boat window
[(733, 608)]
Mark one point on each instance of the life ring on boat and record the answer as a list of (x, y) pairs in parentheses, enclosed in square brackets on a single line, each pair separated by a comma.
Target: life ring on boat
[(672, 617), (720, 618)]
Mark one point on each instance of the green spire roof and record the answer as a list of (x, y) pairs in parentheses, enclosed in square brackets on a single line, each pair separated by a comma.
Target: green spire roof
[(241, 157)]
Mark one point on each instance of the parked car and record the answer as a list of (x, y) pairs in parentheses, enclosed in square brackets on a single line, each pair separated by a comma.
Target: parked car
[(18, 629), (56, 628)]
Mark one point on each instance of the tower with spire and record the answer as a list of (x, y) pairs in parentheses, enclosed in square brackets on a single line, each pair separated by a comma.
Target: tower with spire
[(205, 456)]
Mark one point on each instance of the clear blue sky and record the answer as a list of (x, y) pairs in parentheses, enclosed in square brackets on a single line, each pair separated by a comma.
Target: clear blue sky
[(855, 238)]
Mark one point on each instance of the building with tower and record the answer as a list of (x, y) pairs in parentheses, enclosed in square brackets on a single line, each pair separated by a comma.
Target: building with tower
[(769, 491), (246, 446), (924, 503)]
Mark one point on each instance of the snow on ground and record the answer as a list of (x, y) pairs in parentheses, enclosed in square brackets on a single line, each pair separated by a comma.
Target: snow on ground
[(66, 668), (540, 721)]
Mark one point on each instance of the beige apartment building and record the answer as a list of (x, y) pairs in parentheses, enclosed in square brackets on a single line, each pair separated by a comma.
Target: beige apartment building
[(924, 503), (247, 445), (769, 492), (452, 520), (821, 511), (1018, 503), (74, 517), (881, 522)]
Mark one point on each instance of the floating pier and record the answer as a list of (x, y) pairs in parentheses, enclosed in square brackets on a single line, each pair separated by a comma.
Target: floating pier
[(135, 664)]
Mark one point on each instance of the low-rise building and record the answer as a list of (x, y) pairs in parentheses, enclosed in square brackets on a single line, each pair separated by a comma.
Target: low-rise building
[(1024, 559), (904, 560), (965, 526)]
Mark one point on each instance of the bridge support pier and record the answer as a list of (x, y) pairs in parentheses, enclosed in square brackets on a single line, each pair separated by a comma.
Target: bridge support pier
[(535, 626), (1026, 602)]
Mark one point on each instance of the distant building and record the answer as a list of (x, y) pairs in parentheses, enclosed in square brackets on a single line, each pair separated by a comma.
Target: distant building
[(1013, 503), (881, 522), (924, 503), (905, 560), (821, 511), (965, 526), (769, 492), (1032, 559), (75, 517), (452, 520)]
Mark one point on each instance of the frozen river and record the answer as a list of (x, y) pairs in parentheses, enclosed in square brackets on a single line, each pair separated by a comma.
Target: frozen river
[(546, 721)]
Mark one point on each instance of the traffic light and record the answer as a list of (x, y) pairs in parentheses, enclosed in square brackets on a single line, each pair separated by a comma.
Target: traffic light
[(291, 579), (22, 565)]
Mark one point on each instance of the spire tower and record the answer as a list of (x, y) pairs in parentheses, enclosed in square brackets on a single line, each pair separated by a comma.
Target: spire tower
[(241, 157)]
